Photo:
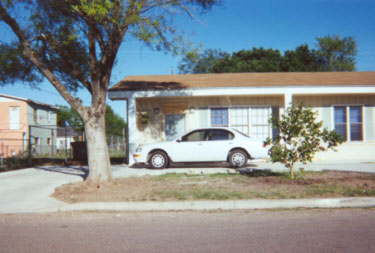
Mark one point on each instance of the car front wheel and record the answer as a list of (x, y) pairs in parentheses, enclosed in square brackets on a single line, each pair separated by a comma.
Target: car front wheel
[(238, 158), (158, 160)]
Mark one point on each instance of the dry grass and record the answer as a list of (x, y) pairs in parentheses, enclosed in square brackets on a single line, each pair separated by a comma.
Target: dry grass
[(266, 185)]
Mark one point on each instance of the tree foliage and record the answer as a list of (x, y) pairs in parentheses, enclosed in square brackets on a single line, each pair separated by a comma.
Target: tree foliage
[(300, 137), (336, 54), (114, 124), (74, 43), (332, 54), (255, 60), (201, 63)]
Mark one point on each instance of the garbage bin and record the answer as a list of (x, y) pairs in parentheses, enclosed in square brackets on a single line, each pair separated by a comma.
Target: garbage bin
[(79, 151)]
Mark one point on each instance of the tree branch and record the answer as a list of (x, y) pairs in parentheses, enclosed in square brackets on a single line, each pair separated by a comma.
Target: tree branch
[(29, 54)]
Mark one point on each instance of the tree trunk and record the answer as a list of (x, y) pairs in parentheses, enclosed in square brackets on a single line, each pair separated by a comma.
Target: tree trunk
[(97, 150)]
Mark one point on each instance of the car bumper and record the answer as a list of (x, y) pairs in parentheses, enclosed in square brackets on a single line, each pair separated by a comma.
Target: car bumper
[(139, 158)]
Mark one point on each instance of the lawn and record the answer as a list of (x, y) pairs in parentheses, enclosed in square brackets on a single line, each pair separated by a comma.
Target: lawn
[(253, 185)]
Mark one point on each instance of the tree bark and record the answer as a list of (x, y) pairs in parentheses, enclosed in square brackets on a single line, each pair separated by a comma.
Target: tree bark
[(97, 150)]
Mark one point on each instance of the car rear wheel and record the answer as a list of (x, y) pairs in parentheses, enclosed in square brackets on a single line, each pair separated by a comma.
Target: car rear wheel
[(158, 160), (238, 158)]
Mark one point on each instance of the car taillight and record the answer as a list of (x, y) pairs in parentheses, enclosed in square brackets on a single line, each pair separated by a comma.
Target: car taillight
[(264, 145)]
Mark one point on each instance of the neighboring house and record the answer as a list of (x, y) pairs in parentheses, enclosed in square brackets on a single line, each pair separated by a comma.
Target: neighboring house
[(160, 107), (65, 136), (18, 117)]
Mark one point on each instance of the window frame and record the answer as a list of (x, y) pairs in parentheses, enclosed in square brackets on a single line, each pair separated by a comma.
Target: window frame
[(348, 122)]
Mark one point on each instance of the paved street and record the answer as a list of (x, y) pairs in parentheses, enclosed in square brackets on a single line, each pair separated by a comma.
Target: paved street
[(334, 230)]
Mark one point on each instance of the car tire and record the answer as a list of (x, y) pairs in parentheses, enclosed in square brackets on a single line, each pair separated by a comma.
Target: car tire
[(158, 160), (238, 158)]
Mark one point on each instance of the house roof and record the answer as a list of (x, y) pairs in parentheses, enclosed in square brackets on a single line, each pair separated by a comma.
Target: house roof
[(29, 101), (193, 81), (68, 131)]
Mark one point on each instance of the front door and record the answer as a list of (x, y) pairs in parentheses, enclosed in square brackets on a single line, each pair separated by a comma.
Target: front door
[(174, 125)]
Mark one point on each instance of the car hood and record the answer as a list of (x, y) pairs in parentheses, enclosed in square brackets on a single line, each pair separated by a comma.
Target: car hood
[(155, 145)]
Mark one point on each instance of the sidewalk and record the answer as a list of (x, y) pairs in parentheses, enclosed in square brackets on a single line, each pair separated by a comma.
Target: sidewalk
[(29, 190)]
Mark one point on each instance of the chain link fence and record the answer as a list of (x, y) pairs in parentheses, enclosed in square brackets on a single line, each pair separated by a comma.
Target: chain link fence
[(53, 143)]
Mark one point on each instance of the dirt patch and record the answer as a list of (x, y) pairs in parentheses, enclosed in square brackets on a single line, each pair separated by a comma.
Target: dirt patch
[(173, 186)]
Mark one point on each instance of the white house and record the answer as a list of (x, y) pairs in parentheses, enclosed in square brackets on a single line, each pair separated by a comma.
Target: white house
[(159, 107), (65, 136)]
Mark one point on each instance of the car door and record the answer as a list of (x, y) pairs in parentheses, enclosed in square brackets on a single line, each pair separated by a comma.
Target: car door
[(189, 148), (218, 144)]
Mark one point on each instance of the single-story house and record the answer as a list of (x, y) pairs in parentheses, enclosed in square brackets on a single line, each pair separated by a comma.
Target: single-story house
[(160, 107)]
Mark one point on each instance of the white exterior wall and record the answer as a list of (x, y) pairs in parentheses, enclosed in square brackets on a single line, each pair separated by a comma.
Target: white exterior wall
[(320, 98), (154, 130)]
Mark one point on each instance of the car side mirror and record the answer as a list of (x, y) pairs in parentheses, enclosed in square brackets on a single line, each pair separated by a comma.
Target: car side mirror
[(178, 140)]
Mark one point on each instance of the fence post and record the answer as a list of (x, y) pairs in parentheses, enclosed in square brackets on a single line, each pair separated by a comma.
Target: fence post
[(30, 147), (52, 137), (66, 145)]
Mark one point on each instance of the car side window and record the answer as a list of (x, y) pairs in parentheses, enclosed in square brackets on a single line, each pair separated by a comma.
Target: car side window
[(195, 136), (220, 135)]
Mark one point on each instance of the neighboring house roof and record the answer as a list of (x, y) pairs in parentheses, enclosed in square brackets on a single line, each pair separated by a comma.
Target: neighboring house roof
[(193, 81), (30, 101), (68, 131)]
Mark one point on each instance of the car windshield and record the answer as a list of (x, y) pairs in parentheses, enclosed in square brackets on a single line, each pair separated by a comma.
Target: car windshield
[(240, 133)]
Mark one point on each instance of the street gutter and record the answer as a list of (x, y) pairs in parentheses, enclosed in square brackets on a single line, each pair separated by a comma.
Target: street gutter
[(219, 205)]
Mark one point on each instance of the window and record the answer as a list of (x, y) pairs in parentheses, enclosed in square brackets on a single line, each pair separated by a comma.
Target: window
[(48, 141), (35, 115), (36, 140), (49, 116), (340, 121), (14, 118), (195, 136), (260, 127), (219, 135), (251, 121), (219, 117), (352, 115), (239, 119)]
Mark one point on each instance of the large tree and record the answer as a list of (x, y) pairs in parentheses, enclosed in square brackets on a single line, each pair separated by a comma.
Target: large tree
[(74, 44)]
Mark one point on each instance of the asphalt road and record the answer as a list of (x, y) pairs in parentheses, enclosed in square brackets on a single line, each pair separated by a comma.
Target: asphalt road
[(332, 230)]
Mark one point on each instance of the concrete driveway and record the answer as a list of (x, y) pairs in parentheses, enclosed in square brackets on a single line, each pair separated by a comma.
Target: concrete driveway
[(29, 190)]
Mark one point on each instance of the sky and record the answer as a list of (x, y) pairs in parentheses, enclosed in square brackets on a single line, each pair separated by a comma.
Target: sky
[(233, 26)]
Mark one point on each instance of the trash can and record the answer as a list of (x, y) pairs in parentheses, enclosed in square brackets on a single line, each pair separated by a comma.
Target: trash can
[(79, 151)]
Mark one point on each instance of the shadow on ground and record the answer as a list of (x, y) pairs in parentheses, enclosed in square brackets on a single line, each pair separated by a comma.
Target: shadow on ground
[(224, 165), (70, 170)]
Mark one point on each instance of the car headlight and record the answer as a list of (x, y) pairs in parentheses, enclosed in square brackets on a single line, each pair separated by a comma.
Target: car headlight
[(138, 150)]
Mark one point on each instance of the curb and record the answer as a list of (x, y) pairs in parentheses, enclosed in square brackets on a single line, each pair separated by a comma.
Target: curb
[(220, 205)]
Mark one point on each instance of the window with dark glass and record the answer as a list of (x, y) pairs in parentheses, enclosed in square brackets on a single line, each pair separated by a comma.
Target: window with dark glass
[(219, 135), (340, 121), (355, 118)]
